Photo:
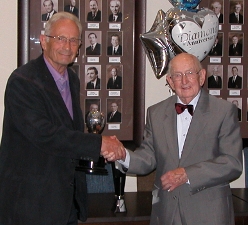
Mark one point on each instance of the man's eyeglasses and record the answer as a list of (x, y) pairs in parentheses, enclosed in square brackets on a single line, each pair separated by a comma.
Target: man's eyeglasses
[(63, 40), (189, 74)]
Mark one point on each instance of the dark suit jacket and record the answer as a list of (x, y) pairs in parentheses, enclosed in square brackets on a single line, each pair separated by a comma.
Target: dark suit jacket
[(237, 84), (44, 16), (98, 84), (237, 51), (221, 18), (239, 113), (212, 157), (40, 148), (96, 51), (75, 10), (96, 18), (110, 50), (119, 18), (216, 51), (116, 118), (212, 82), (114, 85), (233, 19)]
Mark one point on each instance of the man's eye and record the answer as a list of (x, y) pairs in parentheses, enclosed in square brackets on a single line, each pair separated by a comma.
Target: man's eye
[(177, 75), (73, 40), (61, 38)]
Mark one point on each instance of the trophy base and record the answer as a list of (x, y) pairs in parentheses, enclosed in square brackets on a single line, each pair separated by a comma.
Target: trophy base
[(120, 206), (91, 167)]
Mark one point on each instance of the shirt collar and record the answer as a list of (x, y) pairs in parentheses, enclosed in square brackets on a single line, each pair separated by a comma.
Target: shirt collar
[(55, 74), (94, 82)]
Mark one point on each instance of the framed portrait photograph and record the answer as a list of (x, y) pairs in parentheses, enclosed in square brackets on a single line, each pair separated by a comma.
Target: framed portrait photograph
[(72, 6), (228, 58), (115, 11), (93, 77), (236, 12), (235, 77), (238, 103), (114, 43), (92, 63), (93, 43), (92, 105), (235, 44), (215, 76), (218, 9), (93, 11), (114, 76), (114, 110), (48, 9), (217, 48)]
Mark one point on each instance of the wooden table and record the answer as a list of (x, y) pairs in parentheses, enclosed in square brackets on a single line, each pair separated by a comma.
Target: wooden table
[(138, 206), (240, 202), (101, 211)]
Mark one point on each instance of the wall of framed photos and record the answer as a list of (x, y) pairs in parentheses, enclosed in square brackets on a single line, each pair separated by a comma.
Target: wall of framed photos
[(127, 63), (226, 63)]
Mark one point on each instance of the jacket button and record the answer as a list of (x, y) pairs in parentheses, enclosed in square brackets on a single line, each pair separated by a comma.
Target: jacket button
[(174, 197), (71, 184)]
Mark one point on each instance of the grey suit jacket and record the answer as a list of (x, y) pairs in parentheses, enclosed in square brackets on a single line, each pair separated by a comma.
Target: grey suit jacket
[(211, 157)]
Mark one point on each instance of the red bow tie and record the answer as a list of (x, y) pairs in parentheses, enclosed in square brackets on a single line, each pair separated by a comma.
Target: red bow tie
[(180, 108)]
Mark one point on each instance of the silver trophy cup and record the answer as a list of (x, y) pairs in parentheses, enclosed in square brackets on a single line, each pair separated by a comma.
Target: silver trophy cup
[(95, 123)]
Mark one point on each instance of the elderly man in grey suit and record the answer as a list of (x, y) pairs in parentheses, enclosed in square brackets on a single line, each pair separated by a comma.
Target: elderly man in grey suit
[(194, 159)]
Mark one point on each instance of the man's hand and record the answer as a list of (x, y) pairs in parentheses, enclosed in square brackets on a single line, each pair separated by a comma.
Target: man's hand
[(112, 149), (174, 178)]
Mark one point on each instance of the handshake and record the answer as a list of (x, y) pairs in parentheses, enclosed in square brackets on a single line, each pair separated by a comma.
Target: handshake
[(112, 149)]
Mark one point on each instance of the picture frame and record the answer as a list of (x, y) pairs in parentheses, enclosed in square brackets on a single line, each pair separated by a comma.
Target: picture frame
[(232, 33), (135, 107)]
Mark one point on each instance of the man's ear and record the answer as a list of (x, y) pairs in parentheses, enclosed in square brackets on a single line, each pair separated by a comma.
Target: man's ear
[(43, 41), (202, 77), (170, 82)]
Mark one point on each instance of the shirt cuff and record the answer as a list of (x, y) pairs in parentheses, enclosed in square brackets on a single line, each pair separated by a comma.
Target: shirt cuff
[(125, 162)]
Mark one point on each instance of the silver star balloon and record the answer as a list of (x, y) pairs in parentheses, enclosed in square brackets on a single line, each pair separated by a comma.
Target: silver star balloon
[(158, 45), (193, 31)]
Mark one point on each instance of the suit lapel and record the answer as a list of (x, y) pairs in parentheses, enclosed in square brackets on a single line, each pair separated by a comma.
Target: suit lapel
[(200, 114), (77, 113), (170, 129)]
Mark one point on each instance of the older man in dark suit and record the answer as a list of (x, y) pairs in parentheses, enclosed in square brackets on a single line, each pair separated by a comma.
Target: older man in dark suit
[(95, 14), (95, 47), (216, 6), (215, 80), (114, 116), (236, 48), (235, 81), (115, 7), (95, 81), (216, 50), (49, 7), (115, 48), (43, 135), (72, 8), (236, 16), (115, 81)]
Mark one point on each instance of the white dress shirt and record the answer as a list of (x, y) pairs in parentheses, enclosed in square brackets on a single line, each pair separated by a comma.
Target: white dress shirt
[(183, 122)]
